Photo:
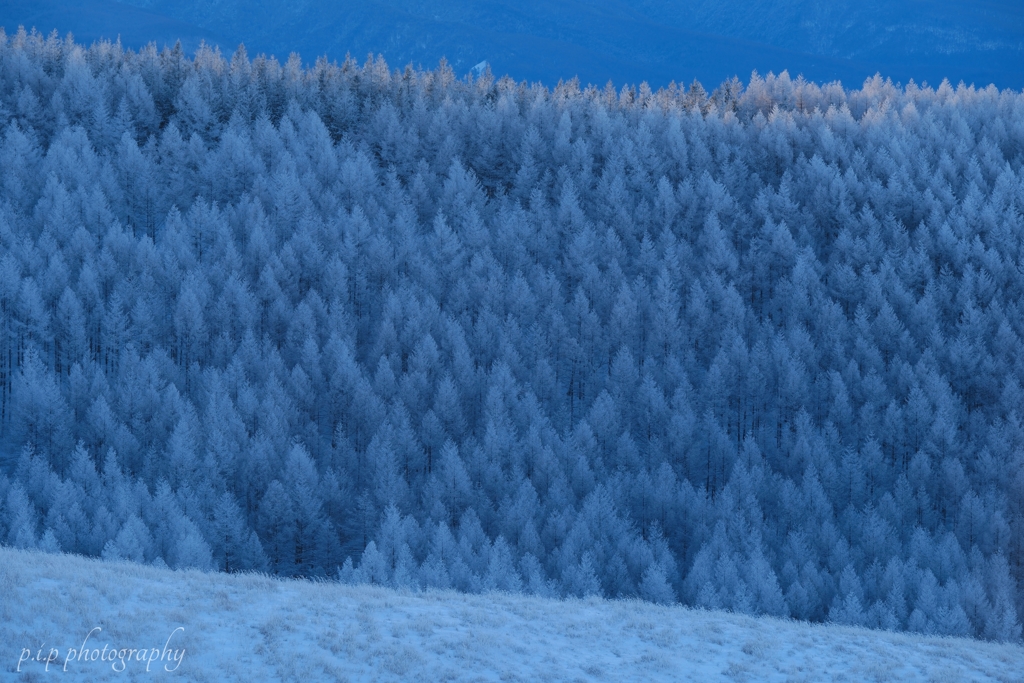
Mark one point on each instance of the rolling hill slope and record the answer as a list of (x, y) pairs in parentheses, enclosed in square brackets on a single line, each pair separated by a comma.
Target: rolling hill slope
[(216, 627)]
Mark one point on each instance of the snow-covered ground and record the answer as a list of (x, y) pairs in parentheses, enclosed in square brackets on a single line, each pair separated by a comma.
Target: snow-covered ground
[(216, 627)]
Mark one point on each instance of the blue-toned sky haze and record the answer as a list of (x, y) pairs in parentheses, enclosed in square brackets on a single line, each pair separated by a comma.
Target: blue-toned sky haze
[(978, 42)]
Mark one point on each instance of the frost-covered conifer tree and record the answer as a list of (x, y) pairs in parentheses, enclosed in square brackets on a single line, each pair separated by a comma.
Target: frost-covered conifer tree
[(755, 350)]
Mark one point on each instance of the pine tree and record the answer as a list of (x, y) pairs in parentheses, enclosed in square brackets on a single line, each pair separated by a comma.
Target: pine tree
[(543, 325)]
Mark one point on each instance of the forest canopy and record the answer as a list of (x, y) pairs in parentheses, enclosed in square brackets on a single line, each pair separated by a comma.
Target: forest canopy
[(757, 349)]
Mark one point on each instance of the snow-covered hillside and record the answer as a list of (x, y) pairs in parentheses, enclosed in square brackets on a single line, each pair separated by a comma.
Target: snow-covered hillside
[(218, 627), (758, 350)]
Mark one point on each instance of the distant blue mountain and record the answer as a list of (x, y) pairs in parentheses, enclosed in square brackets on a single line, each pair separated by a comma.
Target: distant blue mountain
[(977, 42), (91, 20)]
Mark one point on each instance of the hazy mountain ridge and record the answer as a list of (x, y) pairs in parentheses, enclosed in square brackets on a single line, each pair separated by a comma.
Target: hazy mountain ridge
[(90, 20), (626, 42)]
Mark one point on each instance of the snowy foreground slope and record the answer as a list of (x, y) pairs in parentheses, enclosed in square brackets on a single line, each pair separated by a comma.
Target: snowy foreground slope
[(218, 627)]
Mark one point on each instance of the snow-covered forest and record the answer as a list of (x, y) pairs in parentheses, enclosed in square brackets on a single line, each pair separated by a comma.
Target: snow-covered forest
[(757, 349)]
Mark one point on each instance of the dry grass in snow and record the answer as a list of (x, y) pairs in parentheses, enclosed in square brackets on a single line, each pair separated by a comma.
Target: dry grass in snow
[(192, 626)]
